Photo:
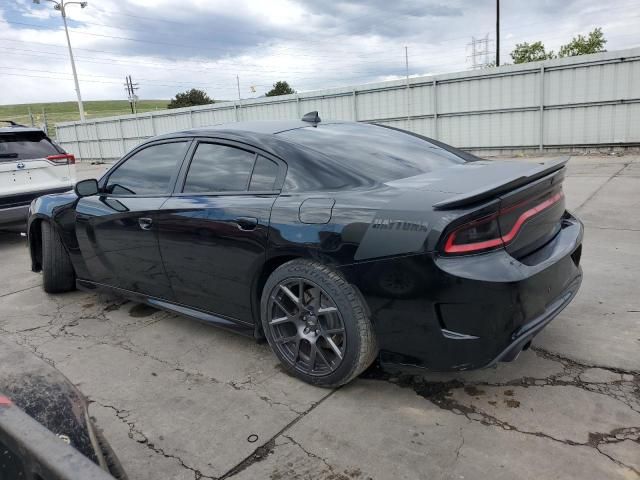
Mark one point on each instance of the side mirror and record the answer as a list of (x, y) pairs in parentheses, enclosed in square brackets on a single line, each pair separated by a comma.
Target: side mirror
[(86, 188)]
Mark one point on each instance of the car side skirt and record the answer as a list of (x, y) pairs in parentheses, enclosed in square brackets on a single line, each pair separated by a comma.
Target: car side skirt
[(231, 324)]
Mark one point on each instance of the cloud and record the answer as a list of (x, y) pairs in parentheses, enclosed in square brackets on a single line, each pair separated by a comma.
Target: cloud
[(168, 47)]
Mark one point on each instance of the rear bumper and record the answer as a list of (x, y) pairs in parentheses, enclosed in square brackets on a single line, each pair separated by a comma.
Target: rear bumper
[(14, 209), (14, 215), (462, 313), (522, 337)]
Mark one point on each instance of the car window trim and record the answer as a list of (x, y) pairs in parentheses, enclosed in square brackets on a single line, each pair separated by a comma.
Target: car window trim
[(172, 181), (181, 181)]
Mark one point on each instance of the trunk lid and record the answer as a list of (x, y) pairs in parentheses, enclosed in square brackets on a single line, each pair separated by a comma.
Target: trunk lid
[(531, 203)]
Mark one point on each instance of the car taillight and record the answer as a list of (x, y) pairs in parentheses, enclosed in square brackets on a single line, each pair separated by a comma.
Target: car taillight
[(484, 233), (63, 159)]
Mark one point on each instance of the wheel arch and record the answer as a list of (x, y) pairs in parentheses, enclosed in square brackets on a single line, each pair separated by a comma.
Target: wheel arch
[(35, 243)]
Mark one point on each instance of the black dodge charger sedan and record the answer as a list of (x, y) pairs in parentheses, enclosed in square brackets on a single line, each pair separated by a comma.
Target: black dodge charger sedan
[(339, 242)]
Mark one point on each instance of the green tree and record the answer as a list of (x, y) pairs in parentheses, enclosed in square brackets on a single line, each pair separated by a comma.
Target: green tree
[(190, 98), (581, 45), (530, 52), (280, 88)]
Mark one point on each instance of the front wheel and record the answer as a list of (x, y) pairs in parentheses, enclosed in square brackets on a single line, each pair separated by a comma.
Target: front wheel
[(316, 324), (57, 271)]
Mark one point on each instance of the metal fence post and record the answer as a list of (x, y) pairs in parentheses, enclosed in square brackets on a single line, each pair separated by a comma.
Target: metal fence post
[(95, 128), (122, 142), (541, 146), (75, 131), (355, 105), (298, 115), (153, 125), (434, 101), (138, 136)]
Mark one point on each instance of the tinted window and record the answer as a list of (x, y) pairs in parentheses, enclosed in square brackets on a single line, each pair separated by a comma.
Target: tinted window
[(219, 168), (378, 153), (147, 172), (25, 146), (264, 175)]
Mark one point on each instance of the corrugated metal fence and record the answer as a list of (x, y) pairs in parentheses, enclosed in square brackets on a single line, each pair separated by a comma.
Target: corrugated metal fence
[(586, 101)]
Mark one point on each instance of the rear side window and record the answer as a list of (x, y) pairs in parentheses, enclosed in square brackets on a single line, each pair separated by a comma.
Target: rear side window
[(373, 152), (25, 146), (147, 172), (219, 168), (264, 175)]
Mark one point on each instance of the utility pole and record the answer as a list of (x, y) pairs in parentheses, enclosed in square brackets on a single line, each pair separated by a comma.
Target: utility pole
[(406, 68), (497, 33), (61, 7), (131, 88)]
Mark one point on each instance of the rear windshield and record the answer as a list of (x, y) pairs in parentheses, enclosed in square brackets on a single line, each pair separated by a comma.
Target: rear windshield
[(382, 154), (25, 146)]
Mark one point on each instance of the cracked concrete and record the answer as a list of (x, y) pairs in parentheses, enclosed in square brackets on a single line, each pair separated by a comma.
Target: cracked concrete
[(182, 400)]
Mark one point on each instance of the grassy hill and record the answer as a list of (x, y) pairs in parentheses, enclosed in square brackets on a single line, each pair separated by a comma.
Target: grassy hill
[(68, 111)]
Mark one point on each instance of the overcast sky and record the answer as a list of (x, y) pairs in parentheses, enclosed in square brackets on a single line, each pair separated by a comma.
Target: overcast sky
[(170, 46)]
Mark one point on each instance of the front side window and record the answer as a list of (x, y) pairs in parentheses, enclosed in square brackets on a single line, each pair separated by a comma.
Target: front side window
[(147, 172), (219, 168)]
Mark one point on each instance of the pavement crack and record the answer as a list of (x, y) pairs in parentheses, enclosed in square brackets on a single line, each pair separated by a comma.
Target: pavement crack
[(268, 447), (250, 385), (439, 393), (138, 436), (568, 361), (21, 290), (593, 195), (311, 454)]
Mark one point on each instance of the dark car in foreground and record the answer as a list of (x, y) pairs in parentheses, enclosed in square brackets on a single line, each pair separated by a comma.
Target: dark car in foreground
[(46, 432), (339, 242)]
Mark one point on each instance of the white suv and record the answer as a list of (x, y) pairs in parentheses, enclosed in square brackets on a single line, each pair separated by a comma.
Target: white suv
[(31, 165)]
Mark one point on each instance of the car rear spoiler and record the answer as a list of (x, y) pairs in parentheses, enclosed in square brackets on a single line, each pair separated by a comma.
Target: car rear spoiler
[(492, 191), (31, 452)]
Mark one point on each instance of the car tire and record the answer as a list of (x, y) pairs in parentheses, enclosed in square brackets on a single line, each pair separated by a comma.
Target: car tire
[(57, 271), (340, 343)]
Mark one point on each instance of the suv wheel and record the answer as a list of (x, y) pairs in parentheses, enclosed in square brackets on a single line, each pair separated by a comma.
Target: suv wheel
[(316, 324), (57, 271)]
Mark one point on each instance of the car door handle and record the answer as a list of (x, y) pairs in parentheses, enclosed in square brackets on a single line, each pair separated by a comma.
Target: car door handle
[(247, 223), (145, 223)]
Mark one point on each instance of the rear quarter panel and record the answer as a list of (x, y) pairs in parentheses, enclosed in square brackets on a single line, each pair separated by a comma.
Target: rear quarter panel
[(361, 225)]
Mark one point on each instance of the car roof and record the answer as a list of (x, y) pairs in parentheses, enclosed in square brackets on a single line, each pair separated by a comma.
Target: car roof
[(264, 127), (20, 129)]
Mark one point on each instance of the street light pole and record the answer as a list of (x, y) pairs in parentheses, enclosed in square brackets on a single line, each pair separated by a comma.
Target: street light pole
[(497, 33), (60, 6)]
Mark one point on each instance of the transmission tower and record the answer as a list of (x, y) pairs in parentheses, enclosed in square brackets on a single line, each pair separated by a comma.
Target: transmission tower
[(480, 52)]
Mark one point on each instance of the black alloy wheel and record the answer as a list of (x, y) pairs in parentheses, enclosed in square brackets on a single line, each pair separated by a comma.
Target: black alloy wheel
[(307, 327), (316, 323)]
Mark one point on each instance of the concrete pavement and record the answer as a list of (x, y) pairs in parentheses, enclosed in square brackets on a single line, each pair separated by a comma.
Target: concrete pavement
[(179, 399)]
